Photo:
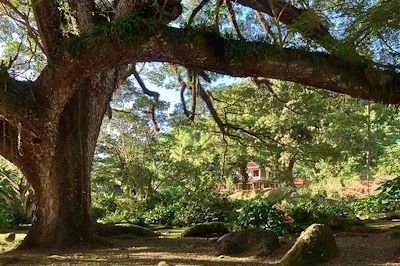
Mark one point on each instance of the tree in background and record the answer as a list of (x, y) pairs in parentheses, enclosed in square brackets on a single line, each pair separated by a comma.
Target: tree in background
[(288, 124)]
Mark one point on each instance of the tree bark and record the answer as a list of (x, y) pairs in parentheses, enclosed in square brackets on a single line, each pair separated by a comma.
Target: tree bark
[(63, 216), (288, 171)]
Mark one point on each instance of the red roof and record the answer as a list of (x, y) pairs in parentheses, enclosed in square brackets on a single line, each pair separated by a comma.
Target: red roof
[(298, 181), (253, 165)]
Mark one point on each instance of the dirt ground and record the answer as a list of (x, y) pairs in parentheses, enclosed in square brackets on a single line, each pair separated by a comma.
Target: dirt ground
[(355, 249)]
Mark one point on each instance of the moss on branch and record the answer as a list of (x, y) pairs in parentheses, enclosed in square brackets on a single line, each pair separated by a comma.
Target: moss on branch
[(13, 94), (130, 29)]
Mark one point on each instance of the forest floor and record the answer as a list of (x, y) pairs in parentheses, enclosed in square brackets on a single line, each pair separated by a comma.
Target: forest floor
[(355, 249)]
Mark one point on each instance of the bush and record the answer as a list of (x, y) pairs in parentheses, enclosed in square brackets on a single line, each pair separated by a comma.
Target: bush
[(203, 206), (259, 213), (170, 195), (317, 209), (5, 218), (164, 215), (387, 202)]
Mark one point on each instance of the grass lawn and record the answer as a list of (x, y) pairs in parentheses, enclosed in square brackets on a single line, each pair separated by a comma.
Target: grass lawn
[(7, 246)]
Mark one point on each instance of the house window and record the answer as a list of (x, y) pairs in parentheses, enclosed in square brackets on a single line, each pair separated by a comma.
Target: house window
[(256, 173)]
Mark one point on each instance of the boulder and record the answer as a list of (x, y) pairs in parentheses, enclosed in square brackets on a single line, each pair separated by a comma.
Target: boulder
[(395, 234), (108, 230), (10, 237), (164, 263), (206, 230), (249, 242), (343, 224), (316, 244)]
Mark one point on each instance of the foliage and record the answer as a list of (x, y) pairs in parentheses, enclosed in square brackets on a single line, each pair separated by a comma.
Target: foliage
[(387, 202), (203, 205), (389, 163), (16, 195), (316, 209), (259, 213), (129, 29), (5, 218), (164, 215)]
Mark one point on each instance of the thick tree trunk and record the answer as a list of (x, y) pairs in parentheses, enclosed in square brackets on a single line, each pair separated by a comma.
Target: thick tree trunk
[(63, 215)]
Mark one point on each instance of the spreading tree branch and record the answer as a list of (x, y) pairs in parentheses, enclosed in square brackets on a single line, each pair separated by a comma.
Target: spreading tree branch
[(213, 53), (232, 17), (249, 59), (311, 26), (154, 95), (196, 10), (264, 24), (183, 85)]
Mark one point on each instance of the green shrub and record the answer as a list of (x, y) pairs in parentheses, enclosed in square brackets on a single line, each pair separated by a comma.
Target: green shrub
[(317, 209), (203, 206), (170, 195), (387, 202), (164, 215), (5, 218), (260, 213)]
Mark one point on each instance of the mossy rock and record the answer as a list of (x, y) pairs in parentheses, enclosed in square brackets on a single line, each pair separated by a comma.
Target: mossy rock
[(10, 237), (108, 230), (343, 224), (206, 230), (316, 244), (249, 242), (394, 234)]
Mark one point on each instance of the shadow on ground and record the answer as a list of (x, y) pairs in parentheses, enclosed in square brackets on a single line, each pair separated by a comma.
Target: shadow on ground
[(355, 249)]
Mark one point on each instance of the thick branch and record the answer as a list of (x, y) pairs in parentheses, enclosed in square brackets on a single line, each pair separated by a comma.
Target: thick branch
[(15, 98), (48, 19), (211, 52), (288, 15), (248, 59)]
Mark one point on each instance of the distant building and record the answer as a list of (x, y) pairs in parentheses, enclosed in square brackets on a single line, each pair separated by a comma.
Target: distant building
[(259, 177)]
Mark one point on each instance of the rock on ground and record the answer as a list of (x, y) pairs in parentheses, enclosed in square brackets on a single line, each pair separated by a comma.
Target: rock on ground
[(164, 263), (10, 237), (249, 242), (316, 244), (395, 234), (107, 230), (206, 230)]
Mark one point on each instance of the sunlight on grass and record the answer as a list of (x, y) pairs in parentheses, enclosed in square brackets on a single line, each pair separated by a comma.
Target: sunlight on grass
[(7, 246)]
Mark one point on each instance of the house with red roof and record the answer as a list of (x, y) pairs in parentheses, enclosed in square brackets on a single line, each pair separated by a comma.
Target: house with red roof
[(259, 177)]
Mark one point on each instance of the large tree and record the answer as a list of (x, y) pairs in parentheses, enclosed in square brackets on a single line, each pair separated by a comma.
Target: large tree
[(49, 125)]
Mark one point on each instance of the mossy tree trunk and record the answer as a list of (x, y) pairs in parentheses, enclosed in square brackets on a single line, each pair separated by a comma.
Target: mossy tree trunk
[(61, 179)]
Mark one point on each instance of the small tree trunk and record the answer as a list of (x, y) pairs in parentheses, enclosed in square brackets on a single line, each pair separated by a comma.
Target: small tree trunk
[(288, 171), (369, 146)]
